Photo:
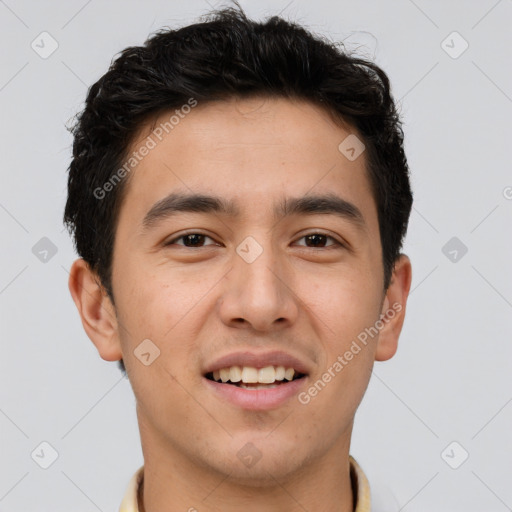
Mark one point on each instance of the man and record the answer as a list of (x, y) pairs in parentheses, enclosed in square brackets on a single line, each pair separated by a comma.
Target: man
[(239, 195)]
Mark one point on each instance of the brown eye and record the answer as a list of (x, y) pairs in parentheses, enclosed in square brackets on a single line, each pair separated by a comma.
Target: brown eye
[(319, 240), (190, 240)]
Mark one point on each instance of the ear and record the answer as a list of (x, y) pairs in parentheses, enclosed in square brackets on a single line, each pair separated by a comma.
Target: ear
[(96, 310), (393, 309)]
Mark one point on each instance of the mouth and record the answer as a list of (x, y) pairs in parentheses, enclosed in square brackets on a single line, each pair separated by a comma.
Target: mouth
[(249, 377), (255, 381)]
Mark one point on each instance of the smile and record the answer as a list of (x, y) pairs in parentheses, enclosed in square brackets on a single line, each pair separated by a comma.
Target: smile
[(249, 377)]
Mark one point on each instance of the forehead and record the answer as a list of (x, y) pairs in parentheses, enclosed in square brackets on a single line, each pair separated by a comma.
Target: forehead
[(250, 151)]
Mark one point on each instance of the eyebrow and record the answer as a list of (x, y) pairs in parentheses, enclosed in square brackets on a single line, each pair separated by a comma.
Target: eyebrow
[(306, 205)]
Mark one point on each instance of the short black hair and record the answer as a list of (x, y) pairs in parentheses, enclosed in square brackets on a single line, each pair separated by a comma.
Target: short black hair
[(227, 55)]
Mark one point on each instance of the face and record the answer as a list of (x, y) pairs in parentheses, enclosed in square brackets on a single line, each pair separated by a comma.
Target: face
[(247, 241)]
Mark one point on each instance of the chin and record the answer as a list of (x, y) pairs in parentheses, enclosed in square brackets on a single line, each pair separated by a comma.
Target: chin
[(267, 473), (259, 462)]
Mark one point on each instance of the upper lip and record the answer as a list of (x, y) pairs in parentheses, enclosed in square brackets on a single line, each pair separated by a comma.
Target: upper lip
[(258, 360)]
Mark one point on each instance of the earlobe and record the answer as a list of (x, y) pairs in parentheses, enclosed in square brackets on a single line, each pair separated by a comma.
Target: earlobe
[(393, 309), (96, 310)]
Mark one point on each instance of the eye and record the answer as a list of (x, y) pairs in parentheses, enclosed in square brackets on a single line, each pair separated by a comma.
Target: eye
[(312, 241), (319, 240), (191, 240)]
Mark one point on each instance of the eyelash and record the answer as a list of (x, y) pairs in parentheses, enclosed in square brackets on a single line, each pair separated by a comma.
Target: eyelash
[(334, 245)]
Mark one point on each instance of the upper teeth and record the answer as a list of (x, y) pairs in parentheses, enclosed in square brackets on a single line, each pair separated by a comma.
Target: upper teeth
[(248, 374)]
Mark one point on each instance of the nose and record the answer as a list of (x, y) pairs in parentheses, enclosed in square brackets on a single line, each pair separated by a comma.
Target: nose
[(259, 294)]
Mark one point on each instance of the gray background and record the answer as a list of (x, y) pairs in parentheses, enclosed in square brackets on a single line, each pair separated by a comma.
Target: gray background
[(451, 378)]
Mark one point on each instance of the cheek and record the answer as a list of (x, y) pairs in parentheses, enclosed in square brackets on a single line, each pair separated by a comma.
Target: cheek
[(157, 309), (154, 303), (345, 304), (343, 310), (168, 310)]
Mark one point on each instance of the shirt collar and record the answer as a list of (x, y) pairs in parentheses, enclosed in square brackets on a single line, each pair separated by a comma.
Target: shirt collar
[(360, 486)]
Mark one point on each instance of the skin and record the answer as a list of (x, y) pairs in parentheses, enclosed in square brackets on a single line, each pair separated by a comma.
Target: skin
[(198, 303)]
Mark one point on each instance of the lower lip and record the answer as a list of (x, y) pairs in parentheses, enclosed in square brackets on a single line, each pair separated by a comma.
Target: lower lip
[(257, 399)]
